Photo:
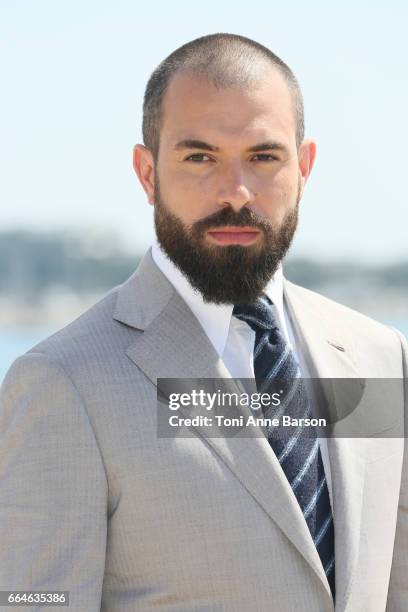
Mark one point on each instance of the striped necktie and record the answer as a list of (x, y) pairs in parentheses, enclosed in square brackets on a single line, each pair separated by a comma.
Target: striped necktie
[(299, 456)]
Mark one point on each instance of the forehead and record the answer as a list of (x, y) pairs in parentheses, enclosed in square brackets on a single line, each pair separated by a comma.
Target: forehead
[(195, 107)]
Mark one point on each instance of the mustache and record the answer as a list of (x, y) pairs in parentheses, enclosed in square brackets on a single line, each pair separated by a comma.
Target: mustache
[(227, 216)]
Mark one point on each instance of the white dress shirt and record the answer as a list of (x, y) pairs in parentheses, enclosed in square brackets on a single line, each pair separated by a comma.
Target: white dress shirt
[(232, 338)]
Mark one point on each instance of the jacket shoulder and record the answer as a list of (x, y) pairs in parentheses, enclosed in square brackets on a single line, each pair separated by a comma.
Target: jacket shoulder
[(333, 309), (85, 346), (367, 335)]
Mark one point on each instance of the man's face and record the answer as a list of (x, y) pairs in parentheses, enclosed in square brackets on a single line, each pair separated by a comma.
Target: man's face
[(226, 183)]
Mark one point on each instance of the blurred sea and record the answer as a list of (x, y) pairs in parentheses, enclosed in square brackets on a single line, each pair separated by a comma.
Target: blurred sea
[(14, 342)]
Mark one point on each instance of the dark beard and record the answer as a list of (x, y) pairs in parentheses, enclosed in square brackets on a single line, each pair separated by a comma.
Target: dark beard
[(232, 274)]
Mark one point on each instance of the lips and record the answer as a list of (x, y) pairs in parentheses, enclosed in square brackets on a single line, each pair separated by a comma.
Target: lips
[(234, 235)]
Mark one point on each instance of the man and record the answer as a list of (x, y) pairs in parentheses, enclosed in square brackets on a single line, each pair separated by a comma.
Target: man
[(93, 500)]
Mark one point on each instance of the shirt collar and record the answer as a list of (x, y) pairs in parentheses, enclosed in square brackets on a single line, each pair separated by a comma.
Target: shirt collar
[(215, 319)]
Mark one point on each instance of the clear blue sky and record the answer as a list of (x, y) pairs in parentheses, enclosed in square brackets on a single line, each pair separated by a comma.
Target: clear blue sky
[(72, 80)]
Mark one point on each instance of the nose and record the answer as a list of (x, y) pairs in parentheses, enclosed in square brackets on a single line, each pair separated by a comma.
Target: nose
[(234, 190)]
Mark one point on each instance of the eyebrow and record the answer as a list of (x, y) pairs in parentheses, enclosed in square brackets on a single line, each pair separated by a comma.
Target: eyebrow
[(190, 143)]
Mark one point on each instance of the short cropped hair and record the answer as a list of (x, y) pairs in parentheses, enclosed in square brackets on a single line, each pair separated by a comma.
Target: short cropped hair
[(226, 60)]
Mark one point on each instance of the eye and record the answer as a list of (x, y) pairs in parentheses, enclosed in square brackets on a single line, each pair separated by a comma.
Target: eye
[(265, 157), (198, 157)]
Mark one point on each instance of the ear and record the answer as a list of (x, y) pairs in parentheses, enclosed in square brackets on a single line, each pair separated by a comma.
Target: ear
[(306, 156), (143, 165)]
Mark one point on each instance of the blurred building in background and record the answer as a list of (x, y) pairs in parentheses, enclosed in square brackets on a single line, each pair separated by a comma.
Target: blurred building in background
[(48, 279)]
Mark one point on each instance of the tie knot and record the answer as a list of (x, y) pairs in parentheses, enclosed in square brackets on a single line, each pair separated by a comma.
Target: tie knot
[(259, 315)]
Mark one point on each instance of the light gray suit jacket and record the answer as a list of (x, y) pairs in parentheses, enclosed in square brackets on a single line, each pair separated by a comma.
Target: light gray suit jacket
[(92, 501)]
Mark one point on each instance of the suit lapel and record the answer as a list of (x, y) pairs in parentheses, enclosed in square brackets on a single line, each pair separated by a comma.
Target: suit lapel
[(174, 345), (325, 343), (329, 354)]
